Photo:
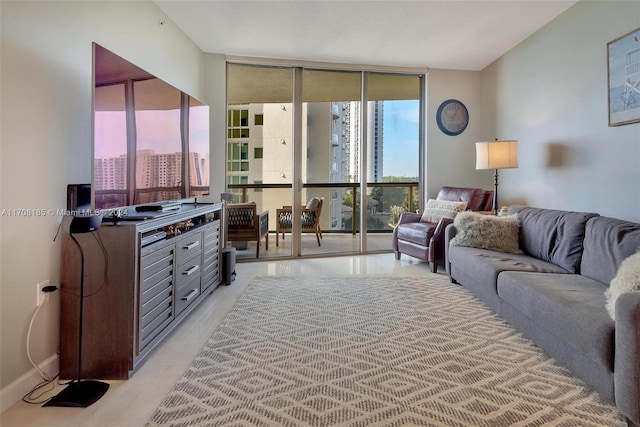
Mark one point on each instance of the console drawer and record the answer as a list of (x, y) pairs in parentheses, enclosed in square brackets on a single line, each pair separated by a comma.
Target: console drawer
[(188, 270), (189, 246), (186, 294), (155, 326), (212, 231), (210, 263), (152, 290), (155, 262), (157, 306), (209, 278)]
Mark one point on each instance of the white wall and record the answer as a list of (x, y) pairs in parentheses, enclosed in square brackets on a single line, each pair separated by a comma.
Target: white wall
[(451, 159), (46, 139), (215, 96), (550, 93)]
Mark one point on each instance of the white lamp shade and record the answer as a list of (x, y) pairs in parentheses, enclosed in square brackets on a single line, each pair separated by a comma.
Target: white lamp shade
[(497, 154)]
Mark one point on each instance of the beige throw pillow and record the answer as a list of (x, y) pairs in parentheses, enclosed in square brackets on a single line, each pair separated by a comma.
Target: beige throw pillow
[(627, 279), (438, 209), (497, 233), (313, 203)]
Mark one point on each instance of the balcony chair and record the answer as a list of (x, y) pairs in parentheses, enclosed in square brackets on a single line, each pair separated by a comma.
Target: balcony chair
[(310, 219), (422, 235), (245, 224)]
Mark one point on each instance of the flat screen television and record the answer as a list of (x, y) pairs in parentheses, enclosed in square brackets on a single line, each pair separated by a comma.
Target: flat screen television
[(150, 140)]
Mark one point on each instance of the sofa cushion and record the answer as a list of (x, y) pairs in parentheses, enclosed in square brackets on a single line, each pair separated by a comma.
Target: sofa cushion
[(438, 209), (552, 235), (608, 241), (627, 279), (416, 232), (487, 232), (570, 306), (485, 265)]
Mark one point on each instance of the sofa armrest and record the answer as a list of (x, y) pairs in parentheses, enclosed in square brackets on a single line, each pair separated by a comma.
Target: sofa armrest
[(263, 223), (437, 242), (627, 355), (449, 233)]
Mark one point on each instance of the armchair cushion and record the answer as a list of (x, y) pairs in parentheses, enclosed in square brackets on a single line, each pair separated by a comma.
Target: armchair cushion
[(417, 232), (438, 209), (313, 203)]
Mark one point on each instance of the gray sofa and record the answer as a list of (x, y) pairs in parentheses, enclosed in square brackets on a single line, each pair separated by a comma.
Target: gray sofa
[(554, 293)]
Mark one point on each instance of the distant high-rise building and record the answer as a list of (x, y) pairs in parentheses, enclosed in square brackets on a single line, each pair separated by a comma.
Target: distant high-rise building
[(109, 174), (375, 140), (259, 138)]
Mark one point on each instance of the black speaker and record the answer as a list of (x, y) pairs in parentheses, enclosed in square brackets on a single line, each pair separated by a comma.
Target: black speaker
[(85, 223), (228, 265), (79, 197)]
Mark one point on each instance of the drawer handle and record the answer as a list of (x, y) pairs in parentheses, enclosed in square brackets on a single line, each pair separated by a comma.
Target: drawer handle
[(190, 271), (192, 294), (192, 245)]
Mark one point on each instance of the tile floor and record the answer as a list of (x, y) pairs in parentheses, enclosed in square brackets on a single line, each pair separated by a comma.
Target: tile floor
[(331, 244), (131, 403)]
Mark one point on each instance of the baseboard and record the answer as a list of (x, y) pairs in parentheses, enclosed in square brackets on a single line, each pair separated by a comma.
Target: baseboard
[(13, 393)]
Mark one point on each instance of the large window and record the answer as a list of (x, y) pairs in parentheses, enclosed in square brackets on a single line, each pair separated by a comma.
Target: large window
[(238, 157), (238, 132), (393, 157), (349, 136), (238, 123)]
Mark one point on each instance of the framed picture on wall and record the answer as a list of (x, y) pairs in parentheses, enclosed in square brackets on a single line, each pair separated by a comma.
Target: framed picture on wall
[(623, 71)]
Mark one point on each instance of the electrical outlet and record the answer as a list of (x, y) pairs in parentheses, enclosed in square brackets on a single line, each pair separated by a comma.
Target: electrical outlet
[(41, 295)]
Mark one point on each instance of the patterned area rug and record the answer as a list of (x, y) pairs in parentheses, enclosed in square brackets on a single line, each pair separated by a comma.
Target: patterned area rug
[(381, 351)]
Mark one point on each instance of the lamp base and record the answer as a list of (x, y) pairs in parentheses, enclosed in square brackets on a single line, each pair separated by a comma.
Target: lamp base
[(79, 394)]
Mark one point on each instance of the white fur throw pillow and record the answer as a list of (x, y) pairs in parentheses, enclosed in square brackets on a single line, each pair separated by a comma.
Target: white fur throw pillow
[(627, 279), (438, 209), (497, 233)]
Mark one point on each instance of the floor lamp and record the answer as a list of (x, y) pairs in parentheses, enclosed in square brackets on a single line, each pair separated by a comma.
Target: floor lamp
[(81, 393), (496, 155)]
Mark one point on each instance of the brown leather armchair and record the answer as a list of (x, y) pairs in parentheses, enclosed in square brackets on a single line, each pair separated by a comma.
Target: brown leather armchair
[(425, 240)]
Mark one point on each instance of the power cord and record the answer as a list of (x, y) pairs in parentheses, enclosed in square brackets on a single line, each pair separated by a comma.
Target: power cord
[(47, 380), (32, 397)]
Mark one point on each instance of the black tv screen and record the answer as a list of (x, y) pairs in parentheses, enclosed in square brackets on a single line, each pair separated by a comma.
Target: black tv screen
[(150, 141)]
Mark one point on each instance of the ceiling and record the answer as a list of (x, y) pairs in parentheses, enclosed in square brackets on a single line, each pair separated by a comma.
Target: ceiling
[(461, 35)]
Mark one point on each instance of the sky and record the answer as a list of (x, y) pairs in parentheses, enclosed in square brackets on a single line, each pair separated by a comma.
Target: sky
[(400, 134), (400, 138), (156, 129)]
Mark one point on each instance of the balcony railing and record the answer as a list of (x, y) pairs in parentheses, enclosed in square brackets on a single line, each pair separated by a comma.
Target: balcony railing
[(406, 201)]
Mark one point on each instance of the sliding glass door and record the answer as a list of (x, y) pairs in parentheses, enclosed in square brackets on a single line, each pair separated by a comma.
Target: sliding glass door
[(331, 163), (259, 146), (393, 153), (332, 155)]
